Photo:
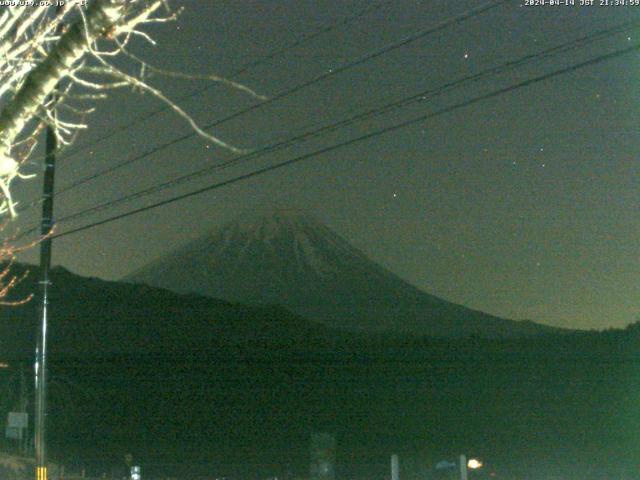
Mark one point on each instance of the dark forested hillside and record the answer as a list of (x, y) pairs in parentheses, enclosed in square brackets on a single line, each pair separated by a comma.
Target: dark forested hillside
[(191, 384)]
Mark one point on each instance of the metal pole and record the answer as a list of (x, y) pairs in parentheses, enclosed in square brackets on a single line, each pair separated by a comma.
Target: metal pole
[(395, 467), (463, 467), (45, 265), (24, 441)]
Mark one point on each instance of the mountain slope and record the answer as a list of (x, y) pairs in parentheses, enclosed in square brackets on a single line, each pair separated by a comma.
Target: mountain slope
[(292, 260)]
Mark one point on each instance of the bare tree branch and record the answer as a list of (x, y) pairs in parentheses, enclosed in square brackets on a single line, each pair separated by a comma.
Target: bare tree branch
[(41, 81), (38, 59)]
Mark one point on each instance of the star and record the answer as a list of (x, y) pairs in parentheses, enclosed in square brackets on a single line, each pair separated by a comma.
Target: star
[(466, 55)]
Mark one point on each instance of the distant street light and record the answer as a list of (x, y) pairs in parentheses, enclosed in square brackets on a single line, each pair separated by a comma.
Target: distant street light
[(472, 464)]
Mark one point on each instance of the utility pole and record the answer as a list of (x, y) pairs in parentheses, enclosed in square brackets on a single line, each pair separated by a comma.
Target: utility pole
[(40, 429), (45, 265), (51, 145)]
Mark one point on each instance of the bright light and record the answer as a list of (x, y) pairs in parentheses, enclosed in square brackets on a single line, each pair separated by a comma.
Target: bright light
[(474, 463), (4, 365)]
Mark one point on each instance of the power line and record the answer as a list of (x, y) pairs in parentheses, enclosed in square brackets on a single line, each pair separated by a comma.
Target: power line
[(367, 57), (241, 70), (382, 131), (419, 97), (415, 98)]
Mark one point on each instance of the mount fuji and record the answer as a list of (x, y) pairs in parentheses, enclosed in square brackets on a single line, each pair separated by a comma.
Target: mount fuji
[(290, 259)]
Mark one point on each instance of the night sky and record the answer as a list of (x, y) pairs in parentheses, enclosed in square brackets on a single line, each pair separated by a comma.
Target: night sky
[(524, 205)]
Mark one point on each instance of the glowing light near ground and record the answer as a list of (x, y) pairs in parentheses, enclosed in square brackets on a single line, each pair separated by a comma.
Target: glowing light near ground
[(474, 463)]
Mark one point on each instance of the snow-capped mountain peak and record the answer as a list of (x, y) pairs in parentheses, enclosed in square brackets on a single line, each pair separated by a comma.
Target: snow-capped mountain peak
[(289, 258)]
